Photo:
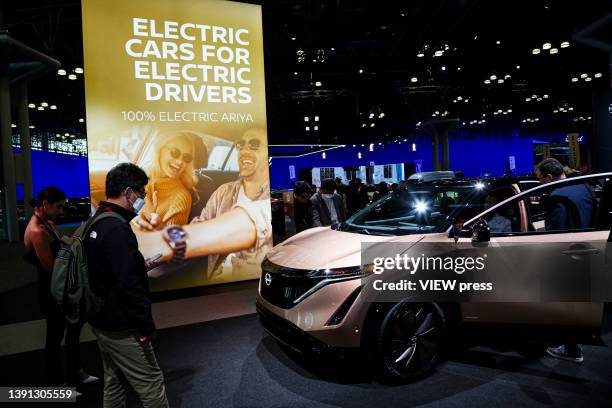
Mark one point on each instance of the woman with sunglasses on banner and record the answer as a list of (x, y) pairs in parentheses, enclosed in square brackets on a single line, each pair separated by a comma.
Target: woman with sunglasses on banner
[(172, 179), (42, 239)]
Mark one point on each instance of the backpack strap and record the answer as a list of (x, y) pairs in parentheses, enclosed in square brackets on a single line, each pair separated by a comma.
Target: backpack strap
[(94, 220)]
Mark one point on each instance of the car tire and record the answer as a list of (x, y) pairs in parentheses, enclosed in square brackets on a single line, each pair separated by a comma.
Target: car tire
[(409, 341)]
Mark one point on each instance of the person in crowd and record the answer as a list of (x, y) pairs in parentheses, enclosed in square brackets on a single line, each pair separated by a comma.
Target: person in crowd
[(381, 191), (42, 239), (394, 187), (327, 207), (496, 221), (124, 327), (234, 229), (301, 206), (172, 180), (568, 207)]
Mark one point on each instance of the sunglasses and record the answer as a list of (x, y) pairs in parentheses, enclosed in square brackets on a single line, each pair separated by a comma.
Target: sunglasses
[(254, 144), (176, 153)]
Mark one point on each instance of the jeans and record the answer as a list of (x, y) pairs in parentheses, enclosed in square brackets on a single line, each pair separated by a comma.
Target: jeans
[(123, 356)]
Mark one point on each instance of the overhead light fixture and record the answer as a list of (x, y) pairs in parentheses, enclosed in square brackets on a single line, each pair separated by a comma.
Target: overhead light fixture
[(493, 77), (414, 147), (507, 77), (414, 79), (316, 127), (316, 118), (13, 125), (53, 107), (295, 73), (438, 53), (72, 77), (527, 99), (459, 97), (420, 55), (371, 147), (41, 108), (371, 115), (546, 46), (78, 70), (66, 134), (486, 81), (574, 79), (31, 126), (545, 96), (518, 67), (583, 76), (31, 105), (565, 44), (323, 155), (333, 49), (61, 72), (381, 115), (535, 51), (359, 155), (306, 119), (500, 81), (293, 38), (318, 83), (497, 42), (598, 75), (45, 104), (588, 79), (361, 71), (308, 128), (443, 67), (372, 124), (81, 120), (554, 51)]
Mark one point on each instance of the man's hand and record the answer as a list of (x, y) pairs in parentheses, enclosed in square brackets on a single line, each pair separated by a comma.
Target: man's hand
[(146, 221)]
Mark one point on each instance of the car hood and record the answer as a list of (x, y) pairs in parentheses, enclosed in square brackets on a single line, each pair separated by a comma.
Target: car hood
[(323, 247)]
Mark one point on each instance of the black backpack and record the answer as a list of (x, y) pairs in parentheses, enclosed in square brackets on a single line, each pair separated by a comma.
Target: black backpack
[(70, 277)]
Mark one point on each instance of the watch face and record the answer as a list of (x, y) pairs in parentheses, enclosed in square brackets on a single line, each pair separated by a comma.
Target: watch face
[(176, 233)]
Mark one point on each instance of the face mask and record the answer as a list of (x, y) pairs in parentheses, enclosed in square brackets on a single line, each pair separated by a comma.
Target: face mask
[(138, 204)]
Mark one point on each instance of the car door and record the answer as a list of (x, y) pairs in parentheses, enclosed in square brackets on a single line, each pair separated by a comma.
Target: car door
[(578, 248)]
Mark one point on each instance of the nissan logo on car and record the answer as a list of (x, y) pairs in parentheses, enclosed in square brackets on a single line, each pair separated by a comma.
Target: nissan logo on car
[(268, 278)]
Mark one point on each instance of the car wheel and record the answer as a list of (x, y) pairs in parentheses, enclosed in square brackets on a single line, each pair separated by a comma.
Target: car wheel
[(409, 341)]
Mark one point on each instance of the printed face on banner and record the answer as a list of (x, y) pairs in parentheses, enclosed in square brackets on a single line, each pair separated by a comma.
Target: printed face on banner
[(177, 87)]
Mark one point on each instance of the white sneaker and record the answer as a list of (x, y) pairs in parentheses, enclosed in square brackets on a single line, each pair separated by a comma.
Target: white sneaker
[(90, 379)]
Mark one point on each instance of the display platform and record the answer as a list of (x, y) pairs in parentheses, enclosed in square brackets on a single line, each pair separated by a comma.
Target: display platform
[(234, 363)]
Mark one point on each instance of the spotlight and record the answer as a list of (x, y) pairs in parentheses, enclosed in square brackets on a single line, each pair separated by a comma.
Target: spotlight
[(316, 118), (306, 118), (546, 46), (31, 105), (486, 81), (420, 55), (78, 70), (574, 79), (535, 51), (420, 206), (318, 83), (554, 51), (72, 77), (583, 76), (323, 155), (53, 107), (565, 44), (61, 72), (443, 67), (81, 120), (479, 185), (414, 79), (493, 77), (597, 75), (45, 104)]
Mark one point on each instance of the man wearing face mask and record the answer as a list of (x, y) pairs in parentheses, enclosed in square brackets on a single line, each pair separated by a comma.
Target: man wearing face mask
[(326, 207), (124, 326)]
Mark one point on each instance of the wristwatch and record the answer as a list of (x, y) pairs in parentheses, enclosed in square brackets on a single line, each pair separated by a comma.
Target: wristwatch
[(176, 238)]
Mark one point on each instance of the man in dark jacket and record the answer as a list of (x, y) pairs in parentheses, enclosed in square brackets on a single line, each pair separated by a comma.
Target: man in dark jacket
[(301, 206), (327, 207), (124, 327), (567, 208)]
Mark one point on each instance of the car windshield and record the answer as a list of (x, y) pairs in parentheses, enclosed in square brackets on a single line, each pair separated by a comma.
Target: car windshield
[(418, 209)]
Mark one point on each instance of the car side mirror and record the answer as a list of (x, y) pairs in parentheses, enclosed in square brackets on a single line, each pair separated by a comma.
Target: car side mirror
[(481, 231)]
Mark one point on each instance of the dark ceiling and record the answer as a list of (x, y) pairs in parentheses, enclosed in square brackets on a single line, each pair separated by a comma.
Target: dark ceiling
[(346, 61)]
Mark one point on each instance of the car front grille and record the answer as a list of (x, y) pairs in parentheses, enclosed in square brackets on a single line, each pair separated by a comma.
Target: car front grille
[(283, 287)]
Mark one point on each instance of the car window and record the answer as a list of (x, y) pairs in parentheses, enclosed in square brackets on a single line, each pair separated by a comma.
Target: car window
[(232, 161), (574, 205)]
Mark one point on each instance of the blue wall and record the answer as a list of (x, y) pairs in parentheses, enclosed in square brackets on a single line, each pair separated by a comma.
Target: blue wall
[(69, 173), (474, 157)]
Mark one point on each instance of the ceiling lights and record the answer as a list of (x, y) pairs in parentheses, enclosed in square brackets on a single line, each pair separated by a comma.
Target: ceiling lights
[(535, 51), (61, 72)]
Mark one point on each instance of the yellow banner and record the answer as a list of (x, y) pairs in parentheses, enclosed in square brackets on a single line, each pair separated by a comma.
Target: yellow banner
[(574, 146), (177, 87)]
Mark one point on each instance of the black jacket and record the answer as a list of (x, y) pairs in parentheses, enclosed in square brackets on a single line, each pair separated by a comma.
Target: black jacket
[(118, 274), (319, 213)]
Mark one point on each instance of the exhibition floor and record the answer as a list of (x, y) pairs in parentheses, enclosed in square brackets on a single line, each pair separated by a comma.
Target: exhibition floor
[(232, 362)]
